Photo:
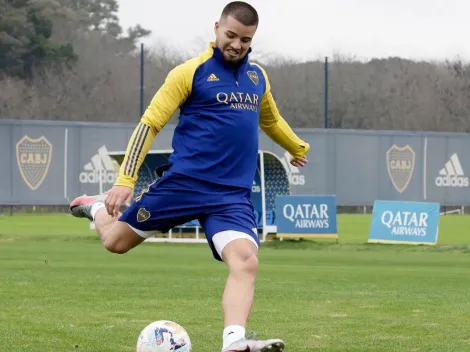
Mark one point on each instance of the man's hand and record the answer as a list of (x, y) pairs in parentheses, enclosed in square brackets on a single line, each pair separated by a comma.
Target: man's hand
[(115, 197), (299, 162)]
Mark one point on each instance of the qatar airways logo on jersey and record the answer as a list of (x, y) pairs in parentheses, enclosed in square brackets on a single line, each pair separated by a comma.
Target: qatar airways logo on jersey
[(239, 100)]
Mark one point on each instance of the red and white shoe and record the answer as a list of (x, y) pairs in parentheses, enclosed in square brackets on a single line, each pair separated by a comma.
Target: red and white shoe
[(81, 206)]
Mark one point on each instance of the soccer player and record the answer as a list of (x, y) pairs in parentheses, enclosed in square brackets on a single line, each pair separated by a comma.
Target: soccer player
[(223, 98)]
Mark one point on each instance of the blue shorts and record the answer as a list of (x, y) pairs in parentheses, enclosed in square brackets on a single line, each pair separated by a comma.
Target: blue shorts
[(224, 212)]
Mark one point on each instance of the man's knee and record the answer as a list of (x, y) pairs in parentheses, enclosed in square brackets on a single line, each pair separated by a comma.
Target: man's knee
[(241, 256), (114, 245), (121, 238), (249, 263)]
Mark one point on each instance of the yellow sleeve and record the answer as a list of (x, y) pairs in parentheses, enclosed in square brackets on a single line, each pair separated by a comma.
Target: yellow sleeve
[(171, 95), (276, 128)]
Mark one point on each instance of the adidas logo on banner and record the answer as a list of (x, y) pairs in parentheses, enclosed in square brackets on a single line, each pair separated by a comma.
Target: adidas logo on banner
[(452, 174), (100, 164), (293, 172), (212, 78)]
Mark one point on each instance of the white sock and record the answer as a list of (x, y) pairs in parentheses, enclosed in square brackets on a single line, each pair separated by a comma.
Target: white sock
[(95, 207), (231, 334)]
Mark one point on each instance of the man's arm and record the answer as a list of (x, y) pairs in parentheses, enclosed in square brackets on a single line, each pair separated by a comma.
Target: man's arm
[(276, 128), (166, 101)]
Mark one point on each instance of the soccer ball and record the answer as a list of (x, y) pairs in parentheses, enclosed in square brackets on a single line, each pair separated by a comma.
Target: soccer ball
[(164, 336)]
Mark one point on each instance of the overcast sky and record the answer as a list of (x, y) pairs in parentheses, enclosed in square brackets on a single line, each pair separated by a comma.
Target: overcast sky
[(303, 29)]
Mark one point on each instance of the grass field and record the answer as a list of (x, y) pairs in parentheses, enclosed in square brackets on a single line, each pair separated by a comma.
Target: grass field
[(61, 291)]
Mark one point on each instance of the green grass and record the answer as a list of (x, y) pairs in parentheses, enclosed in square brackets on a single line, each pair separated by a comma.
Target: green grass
[(352, 228), (61, 291)]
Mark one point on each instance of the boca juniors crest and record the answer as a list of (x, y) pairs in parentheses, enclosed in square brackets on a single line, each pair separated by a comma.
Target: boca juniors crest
[(400, 166), (253, 76), (34, 158)]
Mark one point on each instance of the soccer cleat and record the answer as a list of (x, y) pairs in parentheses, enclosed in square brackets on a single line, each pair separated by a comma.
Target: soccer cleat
[(250, 344), (81, 206)]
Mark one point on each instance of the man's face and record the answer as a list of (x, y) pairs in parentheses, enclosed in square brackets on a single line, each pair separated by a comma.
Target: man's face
[(233, 39)]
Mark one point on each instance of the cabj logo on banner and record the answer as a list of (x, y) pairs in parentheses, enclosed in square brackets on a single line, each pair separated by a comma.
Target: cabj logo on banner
[(400, 166), (404, 222), (306, 216), (34, 158)]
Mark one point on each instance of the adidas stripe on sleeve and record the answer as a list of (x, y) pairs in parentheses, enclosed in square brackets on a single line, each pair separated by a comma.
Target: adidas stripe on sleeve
[(172, 94)]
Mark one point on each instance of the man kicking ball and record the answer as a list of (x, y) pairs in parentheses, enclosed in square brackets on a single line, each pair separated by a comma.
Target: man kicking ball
[(223, 99)]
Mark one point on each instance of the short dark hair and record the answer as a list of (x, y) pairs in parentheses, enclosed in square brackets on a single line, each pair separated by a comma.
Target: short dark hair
[(242, 12)]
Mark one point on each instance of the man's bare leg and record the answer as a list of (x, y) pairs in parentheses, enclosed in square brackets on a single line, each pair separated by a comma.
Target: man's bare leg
[(242, 261), (103, 221), (116, 236), (241, 258)]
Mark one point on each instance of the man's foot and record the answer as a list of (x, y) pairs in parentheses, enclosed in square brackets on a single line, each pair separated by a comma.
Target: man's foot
[(252, 345), (81, 206)]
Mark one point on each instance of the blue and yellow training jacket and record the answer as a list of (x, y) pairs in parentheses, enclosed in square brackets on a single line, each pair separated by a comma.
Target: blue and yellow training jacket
[(221, 108)]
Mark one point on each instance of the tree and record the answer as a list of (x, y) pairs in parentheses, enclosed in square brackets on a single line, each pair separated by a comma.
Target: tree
[(102, 16), (25, 32)]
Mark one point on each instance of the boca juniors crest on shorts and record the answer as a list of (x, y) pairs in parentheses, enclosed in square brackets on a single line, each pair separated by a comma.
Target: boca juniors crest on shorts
[(143, 215)]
